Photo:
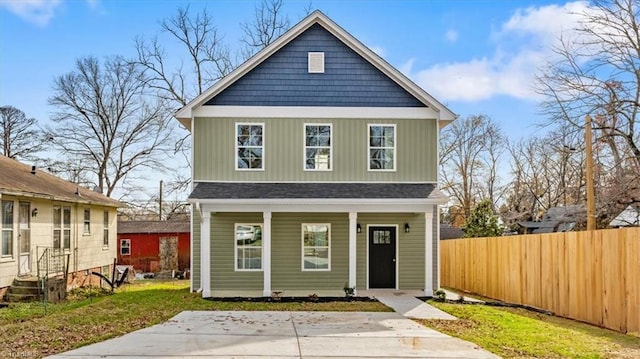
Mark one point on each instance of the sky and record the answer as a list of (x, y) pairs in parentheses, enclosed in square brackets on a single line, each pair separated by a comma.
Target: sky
[(475, 56)]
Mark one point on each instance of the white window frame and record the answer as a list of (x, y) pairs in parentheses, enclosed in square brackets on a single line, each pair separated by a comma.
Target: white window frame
[(128, 242), (61, 226), (236, 247), (9, 230), (394, 148), (86, 222), (235, 140), (305, 147), (105, 229), (303, 247)]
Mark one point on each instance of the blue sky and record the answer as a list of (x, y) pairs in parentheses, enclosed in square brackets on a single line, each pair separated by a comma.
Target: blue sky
[(477, 57)]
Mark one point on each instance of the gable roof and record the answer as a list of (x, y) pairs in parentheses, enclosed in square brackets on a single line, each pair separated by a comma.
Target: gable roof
[(131, 227), (17, 179), (185, 114)]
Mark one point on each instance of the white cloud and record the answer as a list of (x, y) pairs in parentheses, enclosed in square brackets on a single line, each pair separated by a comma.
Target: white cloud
[(522, 46), (38, 12), (451, 35), (407, 67)]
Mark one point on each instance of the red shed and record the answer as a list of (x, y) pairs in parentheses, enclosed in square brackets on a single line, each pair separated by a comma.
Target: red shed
[(152, 246)]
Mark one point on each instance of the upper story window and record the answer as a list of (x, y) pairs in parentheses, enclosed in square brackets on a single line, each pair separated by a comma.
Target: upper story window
[(62, 227), (249, 146), (317, 147), (87, 221), (382, 147)]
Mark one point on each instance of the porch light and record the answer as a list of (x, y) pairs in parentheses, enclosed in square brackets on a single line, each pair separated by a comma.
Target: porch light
[(358, 228), (34, 212), (406, 227)]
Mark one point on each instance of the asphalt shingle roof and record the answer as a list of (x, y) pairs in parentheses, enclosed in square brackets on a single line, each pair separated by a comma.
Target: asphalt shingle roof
[(234, 190), (16, 178), (129, 227)]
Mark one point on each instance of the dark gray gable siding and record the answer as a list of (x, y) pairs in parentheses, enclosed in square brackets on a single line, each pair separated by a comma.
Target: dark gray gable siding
[(283, 80), (235, 190)]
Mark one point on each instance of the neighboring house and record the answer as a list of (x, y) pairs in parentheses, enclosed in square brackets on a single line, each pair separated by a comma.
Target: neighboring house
[(315, 167), (41, 212), (153, 246), (630, 217), (448, 231), (556, 219)]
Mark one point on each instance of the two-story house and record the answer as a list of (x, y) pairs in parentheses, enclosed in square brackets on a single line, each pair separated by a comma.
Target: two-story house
[(315, 167)]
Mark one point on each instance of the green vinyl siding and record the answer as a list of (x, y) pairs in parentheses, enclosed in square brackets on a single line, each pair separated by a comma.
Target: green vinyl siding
[(286, 257), (215, 151), (224, 277), (411, 246), (195, 249)]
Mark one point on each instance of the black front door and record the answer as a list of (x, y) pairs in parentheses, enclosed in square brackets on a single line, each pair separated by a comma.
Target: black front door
[(382, 257)]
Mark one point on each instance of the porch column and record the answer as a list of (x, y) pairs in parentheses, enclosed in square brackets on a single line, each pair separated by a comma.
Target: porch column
[(353, 222), (428, 254), (266, 253), (205, 254)]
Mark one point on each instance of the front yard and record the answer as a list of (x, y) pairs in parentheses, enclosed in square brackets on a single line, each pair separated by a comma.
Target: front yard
[(91, 316)]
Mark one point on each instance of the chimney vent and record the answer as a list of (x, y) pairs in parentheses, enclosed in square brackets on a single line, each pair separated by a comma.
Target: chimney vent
[(33, 169)]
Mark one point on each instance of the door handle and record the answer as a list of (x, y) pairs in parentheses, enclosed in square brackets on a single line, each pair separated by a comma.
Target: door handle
[(394, 260)]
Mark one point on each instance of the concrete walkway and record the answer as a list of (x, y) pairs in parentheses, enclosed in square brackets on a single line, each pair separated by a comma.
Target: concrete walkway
[(411, 307), (220, 334)]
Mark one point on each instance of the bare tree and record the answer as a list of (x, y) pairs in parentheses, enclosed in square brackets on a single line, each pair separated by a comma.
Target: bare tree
[(20, 137), (546, 172), (470, 152), (596, 71), (268, 24), (206, 56), (106, 118)]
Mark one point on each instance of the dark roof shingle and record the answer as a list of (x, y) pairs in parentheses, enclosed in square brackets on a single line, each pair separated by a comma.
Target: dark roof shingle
[(235, 190), (129, 227)]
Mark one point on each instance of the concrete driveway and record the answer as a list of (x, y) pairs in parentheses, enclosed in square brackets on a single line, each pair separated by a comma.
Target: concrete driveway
[(262, 335)]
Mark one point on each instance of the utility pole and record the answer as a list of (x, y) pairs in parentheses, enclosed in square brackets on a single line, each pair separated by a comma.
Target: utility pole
[(591, 200), (160, 203)]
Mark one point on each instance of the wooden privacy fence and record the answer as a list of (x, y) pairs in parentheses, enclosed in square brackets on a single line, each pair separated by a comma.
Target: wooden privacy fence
[(588, 276)]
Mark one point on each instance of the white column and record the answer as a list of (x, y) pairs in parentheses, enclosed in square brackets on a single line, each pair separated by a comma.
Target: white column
[(353, 222), (428, 254), (266, 253), (205, 254)]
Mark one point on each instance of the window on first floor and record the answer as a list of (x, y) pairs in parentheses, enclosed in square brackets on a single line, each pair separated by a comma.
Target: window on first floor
[(86, 229), (382, 147), (62, 227), (7, 229), (317, 147), (105, 230), (249, 146), (248, 244), (125, 247), (316, 246)]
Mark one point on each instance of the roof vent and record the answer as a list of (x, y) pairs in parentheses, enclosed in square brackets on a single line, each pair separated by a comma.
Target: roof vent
[(33, 169), (316, 62)]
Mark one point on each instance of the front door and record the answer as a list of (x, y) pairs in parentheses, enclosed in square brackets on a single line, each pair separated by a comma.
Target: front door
[(382, 257), (24, 238)]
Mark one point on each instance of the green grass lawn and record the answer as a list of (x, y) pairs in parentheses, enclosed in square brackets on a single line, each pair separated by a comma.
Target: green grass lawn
[(519, 333), (92, 316)]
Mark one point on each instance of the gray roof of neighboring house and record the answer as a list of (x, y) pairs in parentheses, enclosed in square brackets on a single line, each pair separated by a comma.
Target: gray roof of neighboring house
[(130, 227), (235, 190), (450, 232), (630, 216), (17, 179)]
